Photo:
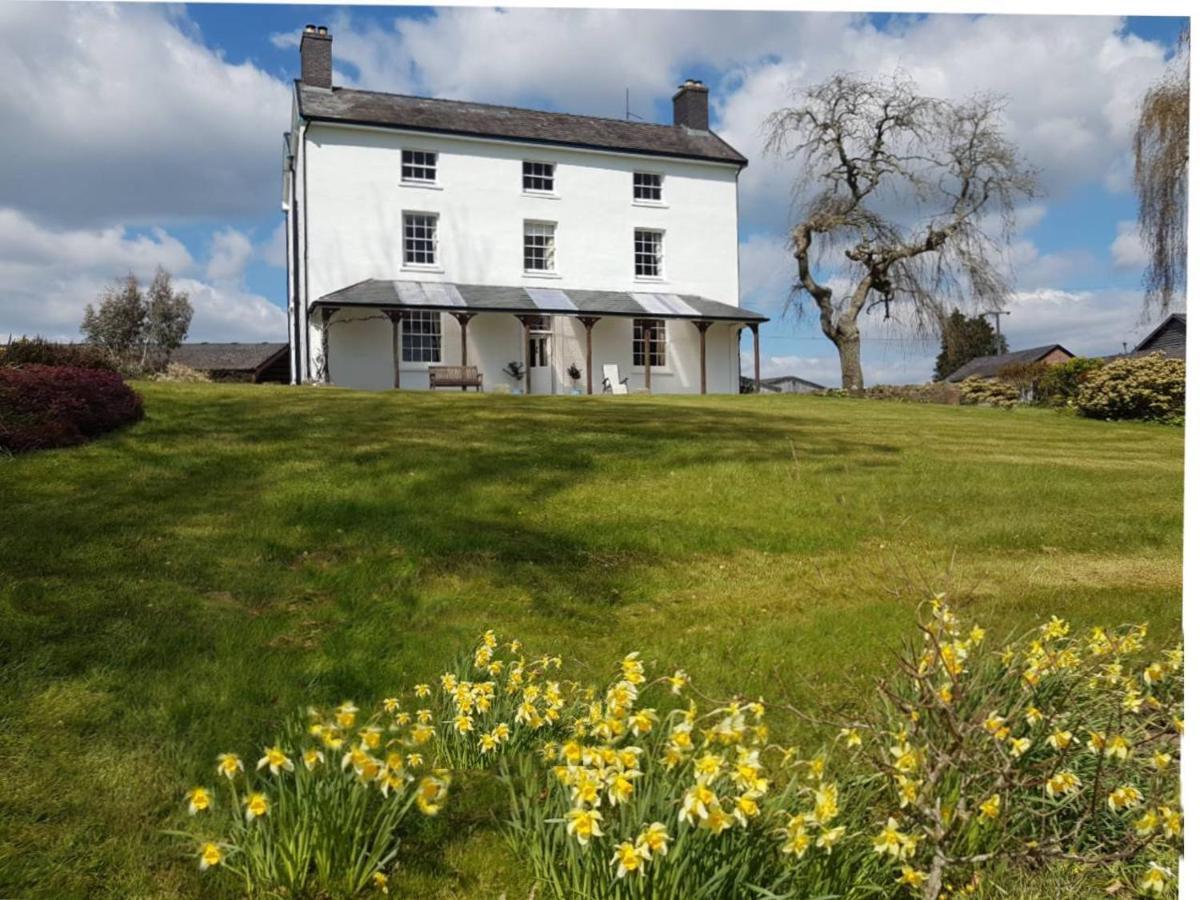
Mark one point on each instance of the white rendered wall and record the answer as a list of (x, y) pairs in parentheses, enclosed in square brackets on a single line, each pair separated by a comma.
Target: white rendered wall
[(355, 205), (360, 353)]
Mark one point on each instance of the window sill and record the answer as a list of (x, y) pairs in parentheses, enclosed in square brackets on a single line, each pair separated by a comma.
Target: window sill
[(550, 275), (653, 204), (418, 367), (422, 185), (541, 195), (650, 279), (434, 269)]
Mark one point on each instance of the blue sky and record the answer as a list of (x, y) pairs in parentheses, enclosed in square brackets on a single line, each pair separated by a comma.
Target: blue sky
[(182, 131)]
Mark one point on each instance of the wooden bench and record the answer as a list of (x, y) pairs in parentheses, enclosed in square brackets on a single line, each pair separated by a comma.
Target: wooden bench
[(455, 376)]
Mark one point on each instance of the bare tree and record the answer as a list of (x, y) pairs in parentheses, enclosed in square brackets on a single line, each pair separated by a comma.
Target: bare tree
[(1160, 170), (909, 189)]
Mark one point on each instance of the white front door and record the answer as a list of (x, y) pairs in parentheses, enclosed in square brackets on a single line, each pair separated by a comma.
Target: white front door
[(541, 370)]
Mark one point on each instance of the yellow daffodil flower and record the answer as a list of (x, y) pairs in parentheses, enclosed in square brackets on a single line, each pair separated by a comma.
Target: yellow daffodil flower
[(276, 759), (584, 824), (990, 808), (256, 806), (1124, 797), (199, 799), (1155, 879), (1062, 784), (229, 764), (654, 838), (210, 855), (629, 858)]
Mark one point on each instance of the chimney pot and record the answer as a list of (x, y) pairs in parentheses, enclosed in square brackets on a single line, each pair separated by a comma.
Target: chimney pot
[(691, 105), (316, 57)]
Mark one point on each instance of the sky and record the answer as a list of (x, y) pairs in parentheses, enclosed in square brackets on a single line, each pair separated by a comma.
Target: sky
[(139, 135)]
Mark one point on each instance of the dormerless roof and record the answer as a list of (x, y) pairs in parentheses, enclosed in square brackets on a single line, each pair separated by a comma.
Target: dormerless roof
[(990, 366), (350, 106), (532, 300), (226, 357)]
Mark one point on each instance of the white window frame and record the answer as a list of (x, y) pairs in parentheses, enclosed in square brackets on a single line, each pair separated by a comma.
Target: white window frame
[(425, 165), (418, 344), (551, 191), (660, 257), (436, 249), (649, 201), (552, 257), (658, 346)]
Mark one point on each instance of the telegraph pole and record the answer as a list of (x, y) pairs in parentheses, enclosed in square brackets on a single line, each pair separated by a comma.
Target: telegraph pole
[(997, 313)]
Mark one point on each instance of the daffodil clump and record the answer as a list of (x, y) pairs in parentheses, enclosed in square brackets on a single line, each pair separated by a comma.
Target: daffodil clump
[(1053, 747), (652, 795), (498, 702), (318, 813)]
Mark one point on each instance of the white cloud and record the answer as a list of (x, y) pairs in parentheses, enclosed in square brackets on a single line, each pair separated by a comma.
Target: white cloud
[(1127, 249), (230, 253), (119, 113), (51, 274)]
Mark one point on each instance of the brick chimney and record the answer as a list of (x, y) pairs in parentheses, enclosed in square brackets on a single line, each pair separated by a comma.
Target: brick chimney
[(316, 56), (691, 105)]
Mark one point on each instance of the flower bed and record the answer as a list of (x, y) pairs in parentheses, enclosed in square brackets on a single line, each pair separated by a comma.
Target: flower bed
[(1050, 747)]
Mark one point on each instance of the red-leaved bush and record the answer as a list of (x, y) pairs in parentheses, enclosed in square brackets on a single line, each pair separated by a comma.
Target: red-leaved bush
[(58, 406)]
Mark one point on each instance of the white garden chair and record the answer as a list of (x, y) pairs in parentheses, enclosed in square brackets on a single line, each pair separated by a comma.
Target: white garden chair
[(613, 383)]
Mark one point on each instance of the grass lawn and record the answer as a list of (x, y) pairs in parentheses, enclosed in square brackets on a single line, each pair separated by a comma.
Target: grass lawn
[(177, 589)]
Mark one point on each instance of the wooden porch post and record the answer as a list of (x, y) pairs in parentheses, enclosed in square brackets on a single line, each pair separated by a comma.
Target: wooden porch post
[(588, 322), (646, 350), (757, 369), (703, 328), (525, 320), (463, 319), (394, 315)]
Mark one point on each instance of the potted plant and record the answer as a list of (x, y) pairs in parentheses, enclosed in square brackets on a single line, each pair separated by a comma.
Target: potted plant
[(574, 374), (516, 371)]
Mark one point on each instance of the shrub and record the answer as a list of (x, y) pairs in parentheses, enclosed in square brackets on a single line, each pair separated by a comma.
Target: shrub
[(177, 372), (58, 406), (1140, 387), (933, 392), (41, 352), (1059, 384), (989, 392)]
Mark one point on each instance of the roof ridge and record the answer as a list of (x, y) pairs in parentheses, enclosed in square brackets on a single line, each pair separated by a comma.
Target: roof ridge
[(547, 112)]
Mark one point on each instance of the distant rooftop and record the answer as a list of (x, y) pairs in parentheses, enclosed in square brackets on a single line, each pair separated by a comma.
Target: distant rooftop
[(990, 366)]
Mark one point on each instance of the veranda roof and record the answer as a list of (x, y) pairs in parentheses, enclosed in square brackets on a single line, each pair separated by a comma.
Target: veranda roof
[(532, 301)]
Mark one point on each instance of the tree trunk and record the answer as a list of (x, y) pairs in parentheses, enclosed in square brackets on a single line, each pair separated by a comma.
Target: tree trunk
[(849, 347)]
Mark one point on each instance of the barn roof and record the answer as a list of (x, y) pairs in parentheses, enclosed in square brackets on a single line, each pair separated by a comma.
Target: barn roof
[(227, 357)]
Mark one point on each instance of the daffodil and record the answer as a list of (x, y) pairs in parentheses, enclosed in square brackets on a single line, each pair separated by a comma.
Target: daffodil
[(257, 806), (199, 799), (422, 690), (1124, 797), (1155, 879), (346, 714), (796, 844), (851, 736), (825, 803), (276, 759), (431, 793), (380, 881), (229, 764), (894, 842), (584, 824), (1018, 746), (1060, 740), (1172, 821), (312, 758), (1147, 824), (830, 836), (654, 837), (210, 855), (1062, 784), (629, 857), (990, 808), (911, 877)]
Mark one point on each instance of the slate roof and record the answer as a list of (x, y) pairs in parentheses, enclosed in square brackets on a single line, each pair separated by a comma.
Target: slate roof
[(358, 107), (1172, 347), (783, 379), (532, 300), (233, 357), (990, 366)]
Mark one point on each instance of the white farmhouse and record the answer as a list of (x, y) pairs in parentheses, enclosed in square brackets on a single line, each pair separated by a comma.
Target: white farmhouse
[(429, 234)]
